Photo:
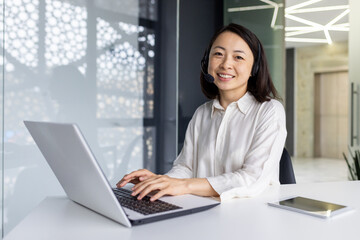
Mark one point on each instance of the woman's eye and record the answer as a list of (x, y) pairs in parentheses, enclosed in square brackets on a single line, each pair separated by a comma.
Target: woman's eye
[(239, 57), (218, 54)]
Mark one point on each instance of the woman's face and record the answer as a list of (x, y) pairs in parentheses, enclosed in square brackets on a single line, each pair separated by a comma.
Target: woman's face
[(230, 63)]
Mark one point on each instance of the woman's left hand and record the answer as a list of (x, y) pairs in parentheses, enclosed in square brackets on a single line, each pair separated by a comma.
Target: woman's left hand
[(164, 184)]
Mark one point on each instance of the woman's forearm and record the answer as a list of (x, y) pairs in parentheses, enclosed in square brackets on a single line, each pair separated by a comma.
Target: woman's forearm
[(200, 187), (165, 185)]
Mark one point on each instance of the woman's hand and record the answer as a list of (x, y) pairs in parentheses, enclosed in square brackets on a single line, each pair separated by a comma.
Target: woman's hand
[(147, 182), (165, 185), (135, 177)]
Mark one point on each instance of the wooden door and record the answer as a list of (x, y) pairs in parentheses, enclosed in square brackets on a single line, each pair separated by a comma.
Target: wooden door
[(331, 114)]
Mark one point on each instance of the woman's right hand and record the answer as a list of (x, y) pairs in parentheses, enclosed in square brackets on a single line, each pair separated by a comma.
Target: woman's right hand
[(135, 177)]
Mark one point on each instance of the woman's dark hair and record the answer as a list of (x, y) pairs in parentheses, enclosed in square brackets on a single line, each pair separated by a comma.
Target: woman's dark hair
[(259, 84)]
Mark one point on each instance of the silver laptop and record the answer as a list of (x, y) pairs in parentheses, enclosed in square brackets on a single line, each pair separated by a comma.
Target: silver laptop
[(70, 158)]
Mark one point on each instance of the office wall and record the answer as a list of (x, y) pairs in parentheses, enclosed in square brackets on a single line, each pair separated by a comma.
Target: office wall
[(311, 60), (90, 62)]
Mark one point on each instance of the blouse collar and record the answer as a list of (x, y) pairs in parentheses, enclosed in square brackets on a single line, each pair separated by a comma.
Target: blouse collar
[(243, 104)]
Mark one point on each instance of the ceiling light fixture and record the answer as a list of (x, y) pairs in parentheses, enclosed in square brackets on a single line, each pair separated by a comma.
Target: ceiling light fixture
[(315, 27), (317, 9), (306, 40), (270, 5), (300, 5), (308, 26)]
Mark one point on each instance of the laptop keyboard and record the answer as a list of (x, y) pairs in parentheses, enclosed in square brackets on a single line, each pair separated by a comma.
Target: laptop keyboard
[(143, 206)]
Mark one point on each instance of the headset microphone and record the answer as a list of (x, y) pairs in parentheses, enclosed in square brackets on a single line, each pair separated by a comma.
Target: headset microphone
[(207, 76)]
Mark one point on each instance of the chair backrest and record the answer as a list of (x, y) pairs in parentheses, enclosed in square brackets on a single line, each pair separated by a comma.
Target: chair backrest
[(286, 172)]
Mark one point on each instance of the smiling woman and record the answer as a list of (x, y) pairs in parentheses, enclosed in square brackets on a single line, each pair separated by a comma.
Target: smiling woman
[(234, 142), (230, 62), (260, 84)]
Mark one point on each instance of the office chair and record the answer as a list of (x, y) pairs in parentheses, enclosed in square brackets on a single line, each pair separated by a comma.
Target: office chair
[(286, 172)]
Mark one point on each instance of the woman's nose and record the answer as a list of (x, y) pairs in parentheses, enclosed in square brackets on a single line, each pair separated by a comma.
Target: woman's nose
[(226, 63)]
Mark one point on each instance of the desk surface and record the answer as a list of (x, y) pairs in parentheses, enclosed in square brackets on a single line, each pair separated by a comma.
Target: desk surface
[(60, 218)]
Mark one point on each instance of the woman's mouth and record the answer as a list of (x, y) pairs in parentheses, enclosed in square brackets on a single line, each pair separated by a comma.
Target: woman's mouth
[(225, 77)]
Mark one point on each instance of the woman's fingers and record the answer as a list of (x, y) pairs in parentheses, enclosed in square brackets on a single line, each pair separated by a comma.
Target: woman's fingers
[(123, 182), (138, 173), (135, 177), (164, 184), (158, 195), (149, 189), (138, 188)]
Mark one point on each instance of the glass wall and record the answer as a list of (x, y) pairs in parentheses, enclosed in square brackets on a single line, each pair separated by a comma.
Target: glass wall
[(266, 20), (354, 75), (1, 114), (87, 62)]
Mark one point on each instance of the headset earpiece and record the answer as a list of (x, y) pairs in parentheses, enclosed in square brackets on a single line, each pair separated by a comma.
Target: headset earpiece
[(256, 65), (204, 67)]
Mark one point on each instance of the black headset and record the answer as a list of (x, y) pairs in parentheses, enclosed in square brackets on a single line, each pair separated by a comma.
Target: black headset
[(205, 62)]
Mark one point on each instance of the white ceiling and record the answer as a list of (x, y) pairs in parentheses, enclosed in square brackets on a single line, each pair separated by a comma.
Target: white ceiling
[(317, 18)]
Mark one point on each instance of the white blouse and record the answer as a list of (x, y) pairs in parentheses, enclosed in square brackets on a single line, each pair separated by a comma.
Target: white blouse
[(238, 149)]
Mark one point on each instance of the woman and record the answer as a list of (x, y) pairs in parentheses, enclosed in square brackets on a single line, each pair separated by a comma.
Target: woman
[(234, 142)]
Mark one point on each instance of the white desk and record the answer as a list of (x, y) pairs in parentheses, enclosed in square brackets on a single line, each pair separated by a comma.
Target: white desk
[(60, 218)]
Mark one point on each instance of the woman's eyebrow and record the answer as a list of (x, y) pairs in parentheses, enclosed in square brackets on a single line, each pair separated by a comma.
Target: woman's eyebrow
[(222, 48), (240, 51)]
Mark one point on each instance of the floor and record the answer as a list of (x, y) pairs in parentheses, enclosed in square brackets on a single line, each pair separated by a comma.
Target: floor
[(319, 170)]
